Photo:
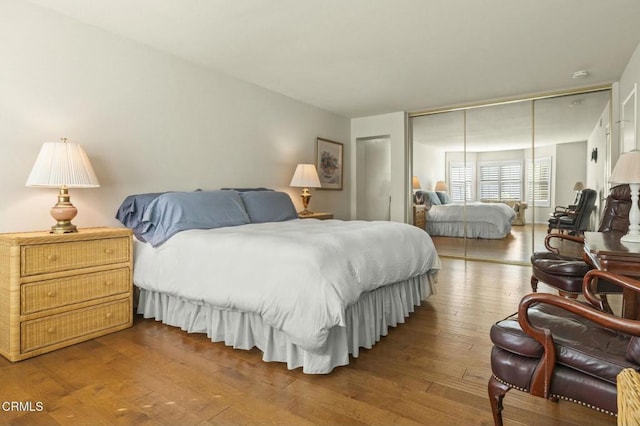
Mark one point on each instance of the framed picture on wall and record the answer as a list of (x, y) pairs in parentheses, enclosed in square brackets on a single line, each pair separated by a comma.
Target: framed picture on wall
[(329, 163)]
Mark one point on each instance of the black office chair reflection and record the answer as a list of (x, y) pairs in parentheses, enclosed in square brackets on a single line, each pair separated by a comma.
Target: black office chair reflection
[(574, 220)]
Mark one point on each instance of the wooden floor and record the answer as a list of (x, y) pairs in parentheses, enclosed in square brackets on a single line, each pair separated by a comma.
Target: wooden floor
[(516, 247), (432, 370)]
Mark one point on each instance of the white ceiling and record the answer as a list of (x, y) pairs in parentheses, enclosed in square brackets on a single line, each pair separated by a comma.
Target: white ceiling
[(365, 57)]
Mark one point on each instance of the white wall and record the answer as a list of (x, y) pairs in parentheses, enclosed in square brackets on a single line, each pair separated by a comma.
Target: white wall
[(148, 121), (429, 164), (394, 126), (629, 78)]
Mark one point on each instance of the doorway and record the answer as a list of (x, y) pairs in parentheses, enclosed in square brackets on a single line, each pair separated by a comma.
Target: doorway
[(373, 178)]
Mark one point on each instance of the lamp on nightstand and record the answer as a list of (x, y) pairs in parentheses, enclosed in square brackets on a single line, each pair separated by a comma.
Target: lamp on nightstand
[(441, 186), (305, 177), (63, 165), (415, 183), (627, 170)]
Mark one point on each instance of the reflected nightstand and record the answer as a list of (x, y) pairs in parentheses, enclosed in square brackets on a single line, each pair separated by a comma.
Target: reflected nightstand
[(420, 216)]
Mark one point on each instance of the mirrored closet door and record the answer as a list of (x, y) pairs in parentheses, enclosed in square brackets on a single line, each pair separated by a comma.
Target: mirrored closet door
[(501, 169)]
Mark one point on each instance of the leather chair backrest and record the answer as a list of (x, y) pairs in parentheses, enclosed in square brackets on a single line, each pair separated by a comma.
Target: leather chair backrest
[(615, 216), (584, 208), (582, 199)]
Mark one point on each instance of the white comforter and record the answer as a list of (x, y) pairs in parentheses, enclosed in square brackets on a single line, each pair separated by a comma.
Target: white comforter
[(299, 275)]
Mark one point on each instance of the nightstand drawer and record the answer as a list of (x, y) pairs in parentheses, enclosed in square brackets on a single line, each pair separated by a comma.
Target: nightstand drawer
[(45, 258), (420, 216), (50, 294), (58, 328)]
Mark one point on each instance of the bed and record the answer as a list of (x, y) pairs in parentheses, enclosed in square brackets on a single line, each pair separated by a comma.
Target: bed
[(242, 268), (482, 220)]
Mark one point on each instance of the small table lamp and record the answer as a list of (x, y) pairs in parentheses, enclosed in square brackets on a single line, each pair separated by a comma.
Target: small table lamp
[(578, 187), (441, 186), (62, 165), (415, 183), (627, 170), (305, 176)]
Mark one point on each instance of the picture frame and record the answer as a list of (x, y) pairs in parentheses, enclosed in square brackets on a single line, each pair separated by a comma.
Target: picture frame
[(329, 163)]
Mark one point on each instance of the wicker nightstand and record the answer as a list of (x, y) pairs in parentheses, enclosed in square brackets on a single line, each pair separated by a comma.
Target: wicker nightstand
[(61, 289), (420, 215), (316, 216)]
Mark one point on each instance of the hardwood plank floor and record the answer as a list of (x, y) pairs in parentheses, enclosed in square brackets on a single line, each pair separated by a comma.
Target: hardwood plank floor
[(432, 370), (516, 247)]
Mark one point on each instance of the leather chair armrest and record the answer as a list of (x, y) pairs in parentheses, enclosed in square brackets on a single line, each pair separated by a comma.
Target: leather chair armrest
[(554, 250), (590, 284), (541, 380)]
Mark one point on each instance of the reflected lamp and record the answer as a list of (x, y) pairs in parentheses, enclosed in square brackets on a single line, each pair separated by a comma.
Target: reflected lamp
[(441, 186), (578, 187), (415, 183)]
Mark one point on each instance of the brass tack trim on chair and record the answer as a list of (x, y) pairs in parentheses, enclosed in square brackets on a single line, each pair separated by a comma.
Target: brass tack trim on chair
[(593, 407), (557, 396)]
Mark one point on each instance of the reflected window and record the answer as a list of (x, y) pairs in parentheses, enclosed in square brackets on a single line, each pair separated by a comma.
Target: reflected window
[(500, 180), (539, 182), (460, 179)]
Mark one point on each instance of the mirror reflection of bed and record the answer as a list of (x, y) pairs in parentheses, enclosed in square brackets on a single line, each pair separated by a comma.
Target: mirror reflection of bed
[(531, 152)]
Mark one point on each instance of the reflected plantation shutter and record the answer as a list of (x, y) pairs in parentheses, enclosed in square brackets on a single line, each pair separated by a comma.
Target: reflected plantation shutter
[(489, 181), (511, 181), (500, 180), (539, 182), (460, 177)]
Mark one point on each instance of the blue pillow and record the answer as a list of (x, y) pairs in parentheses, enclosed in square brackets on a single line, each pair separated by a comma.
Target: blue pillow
[(432, 198), (173, 212), (132, 209), (443, 197), (268, 206)]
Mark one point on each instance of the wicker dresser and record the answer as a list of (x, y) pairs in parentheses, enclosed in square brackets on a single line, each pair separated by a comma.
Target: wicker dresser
[(420, 216), (61, 289)]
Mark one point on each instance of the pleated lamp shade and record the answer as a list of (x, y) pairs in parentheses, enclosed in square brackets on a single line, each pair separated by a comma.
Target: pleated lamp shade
[(305, 177), (62, 164)]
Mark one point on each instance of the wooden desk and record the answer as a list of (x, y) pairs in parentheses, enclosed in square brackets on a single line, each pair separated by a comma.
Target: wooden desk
[(609, 254)]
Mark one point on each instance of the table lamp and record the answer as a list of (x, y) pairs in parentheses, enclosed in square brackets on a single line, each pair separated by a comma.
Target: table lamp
[(578, 187), (415, 183), (627, 170), (305, 176), (63, 165), (441, 186)]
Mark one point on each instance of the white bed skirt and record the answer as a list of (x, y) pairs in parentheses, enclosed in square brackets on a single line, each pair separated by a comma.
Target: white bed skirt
[(367, 320), (483, 230)]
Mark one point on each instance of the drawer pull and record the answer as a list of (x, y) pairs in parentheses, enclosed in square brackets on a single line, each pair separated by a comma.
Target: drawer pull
[(108, 315), (52, 257), (51, 330), (51, 294), (108, 283), (108, 251)]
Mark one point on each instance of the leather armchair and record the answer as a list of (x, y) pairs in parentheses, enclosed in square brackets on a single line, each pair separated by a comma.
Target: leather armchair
[(559, 348), (566, 272), (575, 220)]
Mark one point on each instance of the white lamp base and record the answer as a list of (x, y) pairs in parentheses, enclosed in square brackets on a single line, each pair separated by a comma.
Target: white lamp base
[(630, 238), (633, 236)]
